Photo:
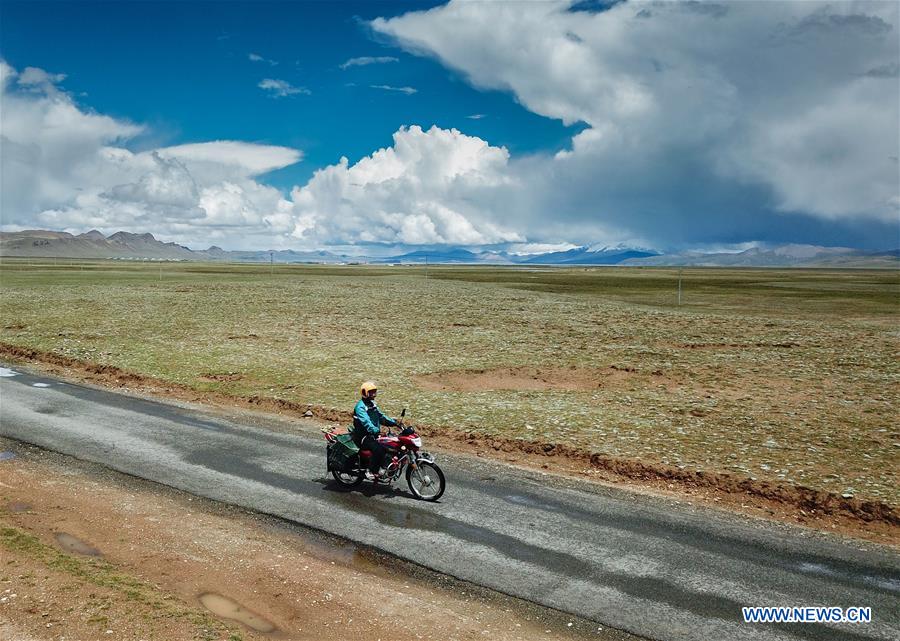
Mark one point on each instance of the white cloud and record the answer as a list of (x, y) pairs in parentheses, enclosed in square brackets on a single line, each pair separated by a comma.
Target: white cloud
[(699, 124), (422, 190), (67, 168), (239, 159), (368, 60), (407, 90), (529, 249), (281, 88), (167, 183), (40, 80), (7, 74), (832, 159), (476, 116), (49, 144), (701, 118), (255, 57)]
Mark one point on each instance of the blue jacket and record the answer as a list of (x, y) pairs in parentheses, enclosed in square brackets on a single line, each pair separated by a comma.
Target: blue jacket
[(367, 418)]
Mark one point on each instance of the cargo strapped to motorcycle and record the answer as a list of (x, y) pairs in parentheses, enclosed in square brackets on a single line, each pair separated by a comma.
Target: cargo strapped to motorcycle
[(341, 453)]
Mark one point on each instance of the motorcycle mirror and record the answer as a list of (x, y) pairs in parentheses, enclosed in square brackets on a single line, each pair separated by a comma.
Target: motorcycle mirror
[(403, 413)]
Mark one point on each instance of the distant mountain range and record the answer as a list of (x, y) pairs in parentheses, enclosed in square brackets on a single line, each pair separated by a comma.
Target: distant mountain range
[(778, 256), (577, 256), (93, 244), (591, 256), (127, 246)]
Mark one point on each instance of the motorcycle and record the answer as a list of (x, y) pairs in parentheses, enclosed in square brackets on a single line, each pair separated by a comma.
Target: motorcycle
[(403, 452)]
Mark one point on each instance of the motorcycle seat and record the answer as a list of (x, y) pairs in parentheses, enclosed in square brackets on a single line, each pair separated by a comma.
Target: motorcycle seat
[(365, 453)]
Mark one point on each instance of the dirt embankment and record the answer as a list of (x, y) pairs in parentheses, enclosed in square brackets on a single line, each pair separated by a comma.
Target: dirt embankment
[(91, 554), (816, 508)]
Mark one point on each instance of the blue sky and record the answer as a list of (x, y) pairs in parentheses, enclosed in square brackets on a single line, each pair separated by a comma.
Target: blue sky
[(185, 68), (674, 126)]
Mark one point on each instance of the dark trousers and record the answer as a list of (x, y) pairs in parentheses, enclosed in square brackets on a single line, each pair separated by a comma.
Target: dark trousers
[(370, 443)]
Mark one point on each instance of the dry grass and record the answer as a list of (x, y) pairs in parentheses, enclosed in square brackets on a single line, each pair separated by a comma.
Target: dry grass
[(781, 375)]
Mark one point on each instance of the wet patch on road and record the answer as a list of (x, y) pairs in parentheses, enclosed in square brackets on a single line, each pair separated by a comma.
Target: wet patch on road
[(345, 553), (656, 589), (852, 574), (885, 583), (228, 609)]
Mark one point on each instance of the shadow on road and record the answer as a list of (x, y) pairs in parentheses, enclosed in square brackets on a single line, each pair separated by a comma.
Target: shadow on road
[(367, 489), (416, 515)]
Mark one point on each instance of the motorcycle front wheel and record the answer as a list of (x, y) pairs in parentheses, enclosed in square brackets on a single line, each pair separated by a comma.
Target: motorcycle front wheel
[(348, 479), (426, 482)]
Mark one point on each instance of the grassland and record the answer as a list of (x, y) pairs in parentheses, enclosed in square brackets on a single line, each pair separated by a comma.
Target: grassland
[(782, 375)]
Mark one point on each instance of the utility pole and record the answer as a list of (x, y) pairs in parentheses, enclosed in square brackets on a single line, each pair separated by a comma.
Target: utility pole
[(426, 266), (679, 286), (271, 263)]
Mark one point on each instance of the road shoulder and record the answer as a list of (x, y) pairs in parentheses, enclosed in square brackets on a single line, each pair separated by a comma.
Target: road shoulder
[(150, 552)]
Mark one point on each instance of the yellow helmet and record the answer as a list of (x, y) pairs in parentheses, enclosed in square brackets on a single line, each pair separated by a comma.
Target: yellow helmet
[(367, 389)]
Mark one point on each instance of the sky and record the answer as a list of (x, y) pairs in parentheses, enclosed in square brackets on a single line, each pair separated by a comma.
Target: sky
[(377, 127)]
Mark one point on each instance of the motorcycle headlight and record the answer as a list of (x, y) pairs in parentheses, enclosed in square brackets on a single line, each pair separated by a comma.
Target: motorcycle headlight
[(417, 442)]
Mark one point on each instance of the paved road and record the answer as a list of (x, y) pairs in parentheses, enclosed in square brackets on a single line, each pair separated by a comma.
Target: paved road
[(634, 563)]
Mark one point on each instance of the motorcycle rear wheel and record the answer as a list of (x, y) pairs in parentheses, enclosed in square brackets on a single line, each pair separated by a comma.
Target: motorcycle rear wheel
[(348, 479), (426, 482)]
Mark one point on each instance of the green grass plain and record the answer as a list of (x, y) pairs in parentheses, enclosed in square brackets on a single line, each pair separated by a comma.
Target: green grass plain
[(776, 374)]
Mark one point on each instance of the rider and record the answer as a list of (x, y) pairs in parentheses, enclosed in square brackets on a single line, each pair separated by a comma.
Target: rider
[(367, 419)]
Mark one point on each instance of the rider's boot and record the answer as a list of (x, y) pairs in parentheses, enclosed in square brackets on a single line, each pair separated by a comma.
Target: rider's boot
[(376, 476)]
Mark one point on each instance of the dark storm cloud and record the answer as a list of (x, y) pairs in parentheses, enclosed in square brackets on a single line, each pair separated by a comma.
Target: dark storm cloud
[(837, 24), (763, 127), (705, 8), (890, 70)]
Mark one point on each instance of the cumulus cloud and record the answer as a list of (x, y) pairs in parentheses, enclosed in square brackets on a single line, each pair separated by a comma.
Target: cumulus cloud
[(168, 183), (49, 144), (368, 60), (701, 119), (698, 124), (65, 167), (430, 187), (7, 74), (40, 80), (281, 88)]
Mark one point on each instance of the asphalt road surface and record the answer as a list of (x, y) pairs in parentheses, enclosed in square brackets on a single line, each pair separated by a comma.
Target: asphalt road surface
[(635, 563)]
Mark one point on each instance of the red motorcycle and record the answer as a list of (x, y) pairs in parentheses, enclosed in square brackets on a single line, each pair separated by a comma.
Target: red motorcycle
[(348, 464)]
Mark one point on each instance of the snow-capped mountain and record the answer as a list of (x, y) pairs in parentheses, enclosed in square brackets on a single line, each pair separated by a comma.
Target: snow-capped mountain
[(129, 246)]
